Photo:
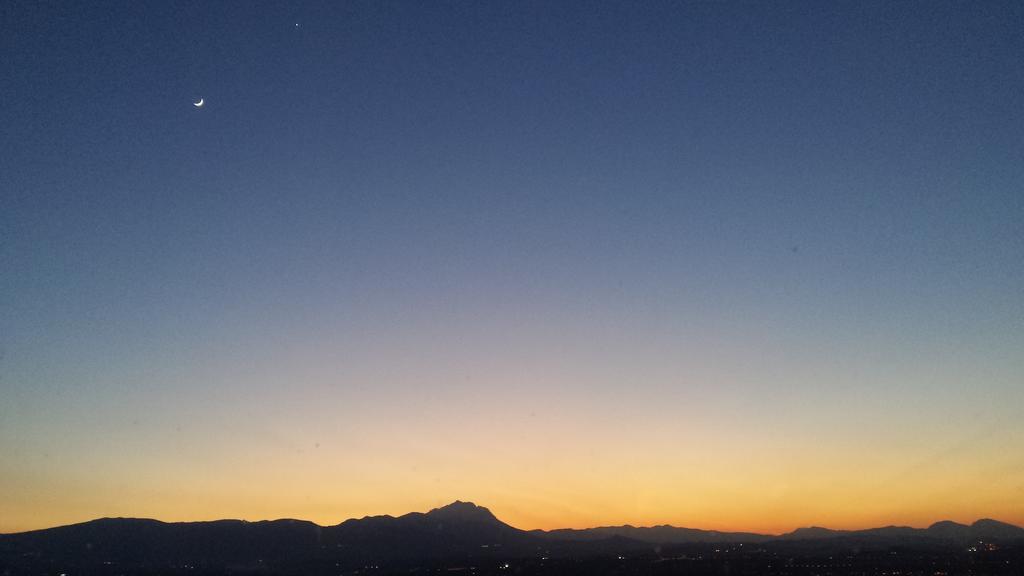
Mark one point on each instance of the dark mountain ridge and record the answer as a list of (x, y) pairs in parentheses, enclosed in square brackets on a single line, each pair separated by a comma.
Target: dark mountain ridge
[(461, 532), (947, 530), (661, 534), (477, 523)]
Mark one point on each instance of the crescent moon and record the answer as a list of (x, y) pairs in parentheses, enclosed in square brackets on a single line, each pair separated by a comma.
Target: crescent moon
[(198, 104)]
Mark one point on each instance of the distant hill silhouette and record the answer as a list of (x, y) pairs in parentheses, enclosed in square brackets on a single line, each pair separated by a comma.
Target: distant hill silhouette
[(946, 530), (459, 532), (988, 529), (663, 534)]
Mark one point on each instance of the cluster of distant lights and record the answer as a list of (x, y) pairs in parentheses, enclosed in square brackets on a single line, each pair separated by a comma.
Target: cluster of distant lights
[(989, 547)]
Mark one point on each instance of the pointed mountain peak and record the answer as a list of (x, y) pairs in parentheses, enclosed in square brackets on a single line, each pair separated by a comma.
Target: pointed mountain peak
[(465, 511)]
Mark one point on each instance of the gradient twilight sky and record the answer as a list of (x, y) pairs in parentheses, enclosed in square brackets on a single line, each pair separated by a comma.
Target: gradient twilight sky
[(722, 265)]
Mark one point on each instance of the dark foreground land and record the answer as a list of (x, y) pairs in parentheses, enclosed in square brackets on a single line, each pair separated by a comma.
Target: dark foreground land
[(701, 559), (466, 540)]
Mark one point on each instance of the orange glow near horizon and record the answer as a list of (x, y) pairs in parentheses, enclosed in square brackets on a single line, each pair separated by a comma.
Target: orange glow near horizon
[(532, 466), (738, 266), (535, 417), (516, 514)]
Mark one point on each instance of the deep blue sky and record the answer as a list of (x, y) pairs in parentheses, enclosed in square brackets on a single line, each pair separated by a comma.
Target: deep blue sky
[(728, 203)]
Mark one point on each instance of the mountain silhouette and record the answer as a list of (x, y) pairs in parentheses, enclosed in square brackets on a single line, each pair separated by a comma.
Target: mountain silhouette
[(458, 529), (663, 534), (945, 530), (460, 511), (812, 532), (988, 529), (461, 533), (949, 530)]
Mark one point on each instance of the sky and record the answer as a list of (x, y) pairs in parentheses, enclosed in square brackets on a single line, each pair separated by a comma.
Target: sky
[(728, 265)]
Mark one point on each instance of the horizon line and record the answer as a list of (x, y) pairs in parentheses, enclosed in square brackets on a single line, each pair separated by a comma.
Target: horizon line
[(455, 502)]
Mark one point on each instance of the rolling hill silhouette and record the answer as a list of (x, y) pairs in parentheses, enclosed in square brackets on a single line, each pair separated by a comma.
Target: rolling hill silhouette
[(945, 530), (458, 532), (663, 534)]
